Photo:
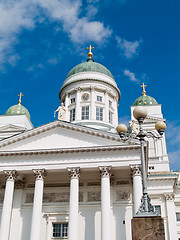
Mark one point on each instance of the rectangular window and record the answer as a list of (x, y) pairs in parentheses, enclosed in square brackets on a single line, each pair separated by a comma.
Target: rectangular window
[(72, 114), (72, 100), (178, 217), (99, 113), (60, 230), (99, 98), (110, 103), (85, 113), (110, 117), (157, 209)]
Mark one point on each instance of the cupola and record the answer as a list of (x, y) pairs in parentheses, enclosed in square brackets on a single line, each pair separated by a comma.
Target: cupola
[(18, 109), (90, 95)]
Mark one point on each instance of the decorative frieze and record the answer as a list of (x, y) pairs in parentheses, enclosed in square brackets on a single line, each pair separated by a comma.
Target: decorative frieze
[(56, 197), (74, 172), (122, 195), (169, 196), (94, 196), (39, 173), (10, 174), (105, 171), (53, 197), (136, 170), (29, 197)]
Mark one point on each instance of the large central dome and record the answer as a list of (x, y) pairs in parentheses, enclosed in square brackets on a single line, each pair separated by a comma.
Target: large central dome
[(90, 66)]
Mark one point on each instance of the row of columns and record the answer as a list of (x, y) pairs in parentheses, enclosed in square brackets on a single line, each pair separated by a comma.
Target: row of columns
[(74, 174), (73, 204)]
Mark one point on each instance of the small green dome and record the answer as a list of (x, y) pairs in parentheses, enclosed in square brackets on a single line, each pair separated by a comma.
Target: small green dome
[(90, 66), (145, 100), (17, 109)]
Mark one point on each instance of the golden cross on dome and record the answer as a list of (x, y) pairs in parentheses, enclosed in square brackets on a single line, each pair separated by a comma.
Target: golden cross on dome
[(20, 96), (90, 54), (144, 91)]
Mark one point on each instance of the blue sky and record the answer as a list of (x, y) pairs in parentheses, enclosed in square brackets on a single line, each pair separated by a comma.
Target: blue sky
[(137, 40)]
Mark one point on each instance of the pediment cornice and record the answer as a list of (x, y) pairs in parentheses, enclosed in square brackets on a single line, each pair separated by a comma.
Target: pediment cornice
[(66, 125), (68, 150)]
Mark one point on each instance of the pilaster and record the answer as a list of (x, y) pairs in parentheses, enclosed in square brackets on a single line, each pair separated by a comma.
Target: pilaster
[(171, 216)]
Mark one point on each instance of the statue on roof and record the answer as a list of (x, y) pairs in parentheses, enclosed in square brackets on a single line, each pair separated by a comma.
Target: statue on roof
[(61, 112)]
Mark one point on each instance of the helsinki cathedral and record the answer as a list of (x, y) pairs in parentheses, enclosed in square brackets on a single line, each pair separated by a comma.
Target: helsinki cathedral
[(75, 178)]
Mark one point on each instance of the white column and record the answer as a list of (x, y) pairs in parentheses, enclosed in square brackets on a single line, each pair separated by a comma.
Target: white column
[(171, 216), (137, 187), (67, 102), (93, 108), (106, 118), (37, 204), (16, 229), (7, 204), (73, 203), (105, 203), (78, 105), (115, 115)]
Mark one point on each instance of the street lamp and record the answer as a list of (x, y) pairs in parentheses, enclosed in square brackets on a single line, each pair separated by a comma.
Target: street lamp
[(140, 113)]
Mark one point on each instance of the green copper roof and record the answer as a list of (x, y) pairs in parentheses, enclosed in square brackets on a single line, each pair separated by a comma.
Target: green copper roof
[(90, 66), (145, 100), (17, 109)]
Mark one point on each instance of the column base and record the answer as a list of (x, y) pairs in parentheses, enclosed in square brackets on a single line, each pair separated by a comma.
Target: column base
[(150, 228)]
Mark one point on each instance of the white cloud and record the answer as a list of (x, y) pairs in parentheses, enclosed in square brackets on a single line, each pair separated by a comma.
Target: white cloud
[(17, 15), (129, 49), (84, 31), (131, 76), (91, 11)]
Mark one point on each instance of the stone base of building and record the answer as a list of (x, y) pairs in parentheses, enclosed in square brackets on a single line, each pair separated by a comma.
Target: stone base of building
[(148, 228)]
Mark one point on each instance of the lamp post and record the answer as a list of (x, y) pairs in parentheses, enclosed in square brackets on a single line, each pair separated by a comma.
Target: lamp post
[(140, 113)]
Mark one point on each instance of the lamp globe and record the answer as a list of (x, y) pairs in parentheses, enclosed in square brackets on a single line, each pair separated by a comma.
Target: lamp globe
[(140, 112), (160, 125), (121, 128)]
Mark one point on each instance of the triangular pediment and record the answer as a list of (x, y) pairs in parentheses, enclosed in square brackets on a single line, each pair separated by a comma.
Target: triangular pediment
[(60, 135), (11, 128)]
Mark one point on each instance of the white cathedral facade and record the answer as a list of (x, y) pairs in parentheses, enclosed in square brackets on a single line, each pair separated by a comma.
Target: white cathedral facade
[(74, 178)]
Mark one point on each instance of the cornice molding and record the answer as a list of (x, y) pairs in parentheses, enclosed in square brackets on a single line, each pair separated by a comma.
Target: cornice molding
[(65, 150)]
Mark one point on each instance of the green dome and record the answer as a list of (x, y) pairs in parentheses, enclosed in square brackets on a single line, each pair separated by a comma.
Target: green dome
[(145, 100), (17, 109), (90, 66)]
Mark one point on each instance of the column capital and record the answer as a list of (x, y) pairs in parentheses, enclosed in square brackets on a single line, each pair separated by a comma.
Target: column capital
[(39, 173), (136, 170), (79, 89), (92, 88), (105, 171), (11, 174), (169, 196), (74, 172)]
